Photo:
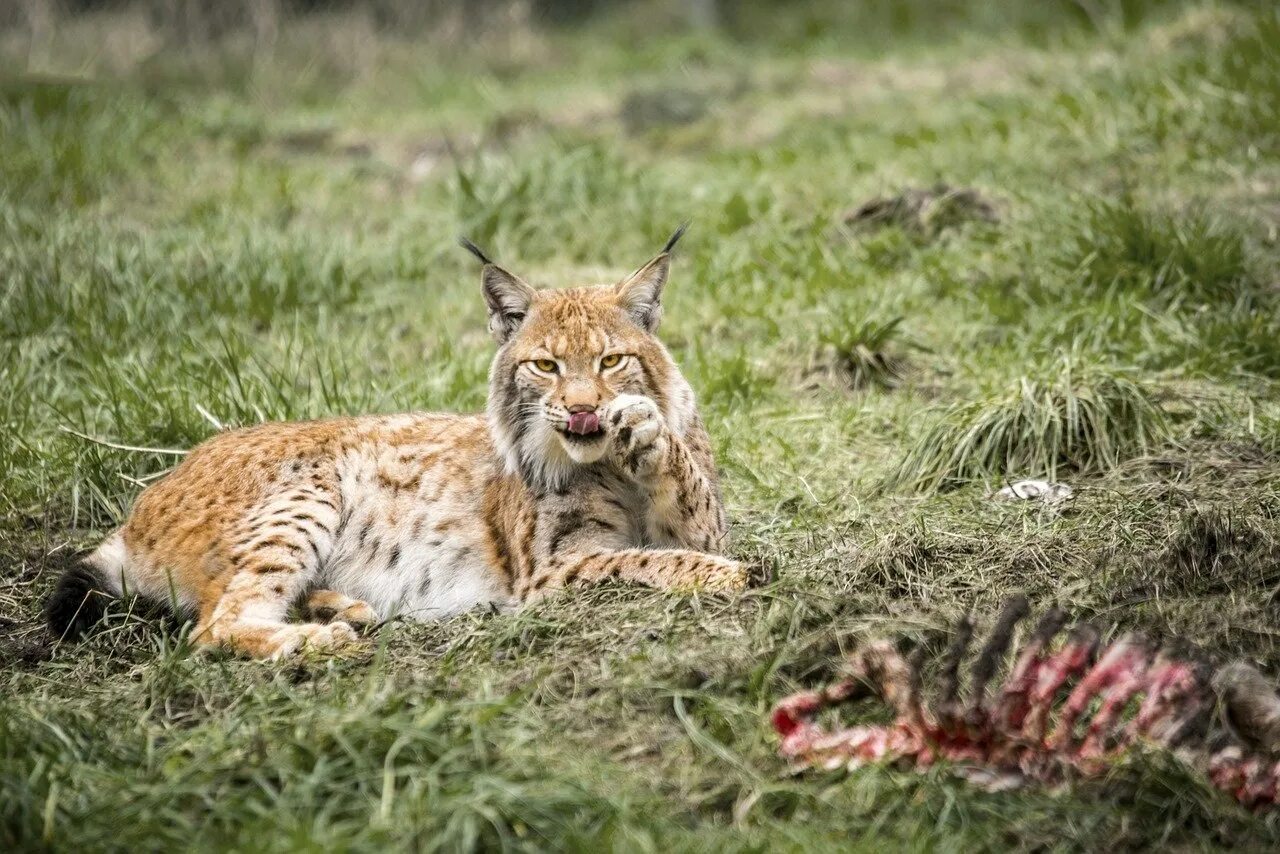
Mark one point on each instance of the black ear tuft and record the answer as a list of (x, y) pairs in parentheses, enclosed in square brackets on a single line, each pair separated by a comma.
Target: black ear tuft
[(474, 250), (77, 603), (675, 238)]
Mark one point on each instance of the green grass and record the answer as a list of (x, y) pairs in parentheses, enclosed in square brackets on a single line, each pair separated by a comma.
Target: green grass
[(864, 349), (197, 238), (1069, 418), (1195, 257)]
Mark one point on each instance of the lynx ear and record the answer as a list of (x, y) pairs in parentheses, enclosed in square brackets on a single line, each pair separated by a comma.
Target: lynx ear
[(641, 294), (508, 298), (506, 294)]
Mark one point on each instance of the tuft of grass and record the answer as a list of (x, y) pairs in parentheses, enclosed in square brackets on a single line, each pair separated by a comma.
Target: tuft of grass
[(1072, 417), (865, 350), (1194, 256)]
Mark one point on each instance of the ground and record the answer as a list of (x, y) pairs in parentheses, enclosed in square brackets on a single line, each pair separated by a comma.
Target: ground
[(933, 248)]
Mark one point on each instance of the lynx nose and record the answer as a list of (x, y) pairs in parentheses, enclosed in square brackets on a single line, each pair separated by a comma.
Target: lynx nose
[(583, 419)]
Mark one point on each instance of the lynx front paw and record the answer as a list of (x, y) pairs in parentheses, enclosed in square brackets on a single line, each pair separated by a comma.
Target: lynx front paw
[(715, 574), (638, 433)]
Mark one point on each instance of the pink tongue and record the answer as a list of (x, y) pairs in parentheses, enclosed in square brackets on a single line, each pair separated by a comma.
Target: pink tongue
[(583, 423)]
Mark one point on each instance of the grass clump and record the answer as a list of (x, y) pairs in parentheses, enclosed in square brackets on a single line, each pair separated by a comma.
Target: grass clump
[(1072, 417), (863, 350), (1195, 256)]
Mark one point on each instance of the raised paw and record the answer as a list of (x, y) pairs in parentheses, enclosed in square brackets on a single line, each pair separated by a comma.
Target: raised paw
[(638, 433), (315, 637)]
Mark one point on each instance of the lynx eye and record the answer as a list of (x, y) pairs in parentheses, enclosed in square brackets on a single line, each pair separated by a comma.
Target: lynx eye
[(611, 360), (547, 366)]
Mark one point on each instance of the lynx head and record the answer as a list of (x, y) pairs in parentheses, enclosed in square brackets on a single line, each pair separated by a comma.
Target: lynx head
[(564, 356)]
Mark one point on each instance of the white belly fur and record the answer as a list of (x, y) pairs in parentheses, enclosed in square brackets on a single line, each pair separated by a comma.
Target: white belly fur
[(434, 535), (428, 581)]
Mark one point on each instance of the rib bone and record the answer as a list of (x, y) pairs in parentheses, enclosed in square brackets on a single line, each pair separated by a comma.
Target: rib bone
[(1061, 712)]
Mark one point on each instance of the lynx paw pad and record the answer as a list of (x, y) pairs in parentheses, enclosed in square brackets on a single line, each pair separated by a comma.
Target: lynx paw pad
[(638, 433)]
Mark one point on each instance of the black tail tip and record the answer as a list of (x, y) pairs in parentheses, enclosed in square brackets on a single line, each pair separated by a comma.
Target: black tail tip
[(77, 604)]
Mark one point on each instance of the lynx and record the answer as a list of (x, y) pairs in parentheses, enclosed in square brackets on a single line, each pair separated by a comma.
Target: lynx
[(591, 463)]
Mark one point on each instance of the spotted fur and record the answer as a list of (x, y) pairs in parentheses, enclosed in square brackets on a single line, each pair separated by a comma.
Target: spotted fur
[(426, 515)]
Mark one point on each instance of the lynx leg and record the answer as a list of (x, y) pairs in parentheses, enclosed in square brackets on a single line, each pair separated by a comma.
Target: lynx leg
[(327, 605), (249, 619), (665, 569), (270, 564)]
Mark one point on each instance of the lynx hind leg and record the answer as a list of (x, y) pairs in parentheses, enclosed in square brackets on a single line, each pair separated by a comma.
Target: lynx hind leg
[(249, 617), (270, 567), (327, 605)]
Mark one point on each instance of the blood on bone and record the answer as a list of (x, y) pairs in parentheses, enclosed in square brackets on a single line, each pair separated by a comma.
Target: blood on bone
[(1066, 663), (1014, 702), (1172, 684), (1131, 695), (1126, 685), (1116, 665)]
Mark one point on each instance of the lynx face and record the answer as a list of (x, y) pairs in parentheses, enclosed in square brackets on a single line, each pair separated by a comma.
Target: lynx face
[(569, 362)]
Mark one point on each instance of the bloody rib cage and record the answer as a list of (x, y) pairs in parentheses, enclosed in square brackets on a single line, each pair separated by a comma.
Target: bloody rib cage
[(1065, 709)]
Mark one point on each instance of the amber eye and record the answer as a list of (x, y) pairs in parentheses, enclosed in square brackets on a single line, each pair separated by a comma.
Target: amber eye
[(547, 366), (610, 361)]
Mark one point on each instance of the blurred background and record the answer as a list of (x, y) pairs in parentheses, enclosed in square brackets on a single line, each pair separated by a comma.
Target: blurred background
[(188, 22), (122, 36)]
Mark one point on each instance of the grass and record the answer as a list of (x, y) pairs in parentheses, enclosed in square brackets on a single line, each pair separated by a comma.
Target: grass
[(1070, 418), (862, 350), (1195, 256), (1074, 277)]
